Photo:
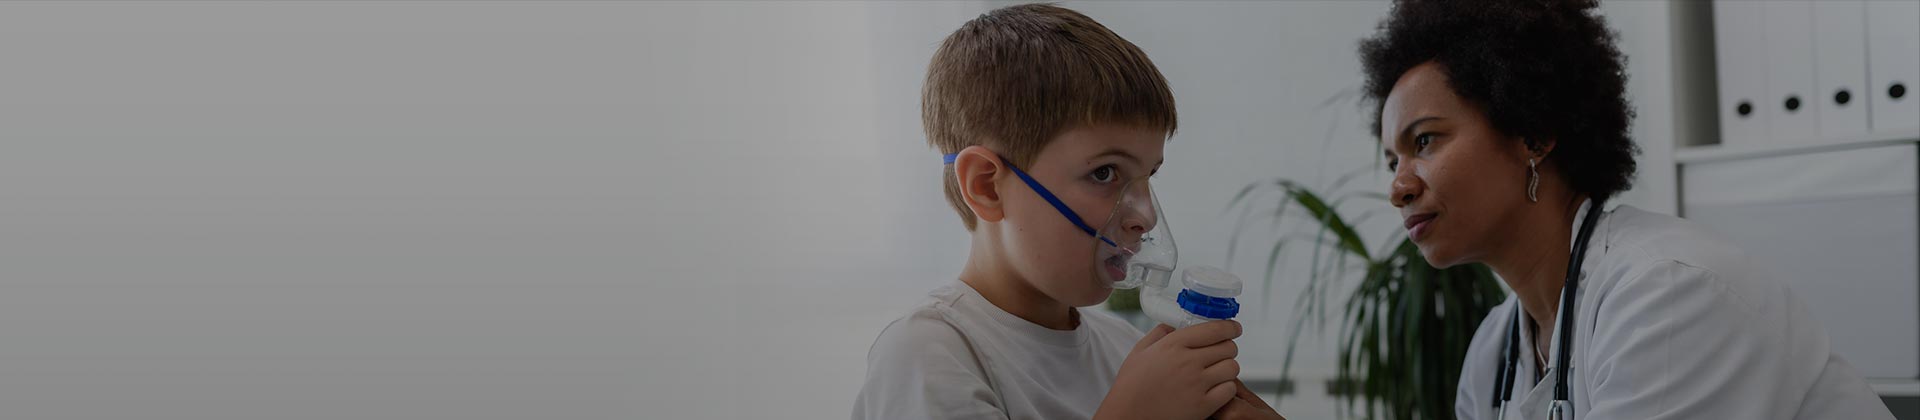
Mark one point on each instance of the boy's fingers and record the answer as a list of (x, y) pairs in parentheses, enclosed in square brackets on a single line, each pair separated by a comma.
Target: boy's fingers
[(1208, 333), (1217, 352), (1153, 336), (1219, 395), (1224, 371)]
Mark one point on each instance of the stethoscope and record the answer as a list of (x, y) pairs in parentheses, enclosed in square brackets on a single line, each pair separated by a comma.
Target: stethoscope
[(1562, 408)]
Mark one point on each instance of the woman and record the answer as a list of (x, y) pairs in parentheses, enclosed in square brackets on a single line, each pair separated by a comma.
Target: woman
[(1505, 124)]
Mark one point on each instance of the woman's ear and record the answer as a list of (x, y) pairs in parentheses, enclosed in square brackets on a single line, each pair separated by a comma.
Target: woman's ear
[(978, 169), (1537, 148)]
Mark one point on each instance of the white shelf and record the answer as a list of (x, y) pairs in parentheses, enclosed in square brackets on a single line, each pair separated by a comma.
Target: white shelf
[(1895, 387), (1709, 153)]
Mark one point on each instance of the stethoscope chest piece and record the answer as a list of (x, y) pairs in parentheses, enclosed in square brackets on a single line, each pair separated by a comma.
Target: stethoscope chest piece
[(1561, 410)]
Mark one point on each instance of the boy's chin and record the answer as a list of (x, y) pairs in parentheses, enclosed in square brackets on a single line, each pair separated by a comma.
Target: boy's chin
[(1094, 294)]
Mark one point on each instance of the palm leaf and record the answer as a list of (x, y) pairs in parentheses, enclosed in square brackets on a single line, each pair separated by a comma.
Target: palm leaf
[(1403, 328)]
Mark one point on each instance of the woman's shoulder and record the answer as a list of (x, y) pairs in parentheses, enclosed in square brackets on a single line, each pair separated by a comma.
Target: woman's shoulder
[(1657, 256), (1642, 237)]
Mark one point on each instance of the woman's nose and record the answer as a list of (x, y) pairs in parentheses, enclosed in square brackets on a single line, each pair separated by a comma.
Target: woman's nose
[(1405, 189)]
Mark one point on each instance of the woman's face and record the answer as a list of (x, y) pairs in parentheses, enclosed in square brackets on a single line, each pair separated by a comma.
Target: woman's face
[(1460, 184)]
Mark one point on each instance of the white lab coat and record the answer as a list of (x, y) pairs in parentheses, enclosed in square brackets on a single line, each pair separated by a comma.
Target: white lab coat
[(1673, 323)]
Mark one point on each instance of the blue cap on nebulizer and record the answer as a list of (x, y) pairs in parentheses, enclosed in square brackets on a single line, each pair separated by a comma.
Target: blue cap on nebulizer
[(1209, 292)]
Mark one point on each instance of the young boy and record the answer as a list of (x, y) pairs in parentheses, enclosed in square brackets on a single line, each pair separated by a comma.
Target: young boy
[(1028, 101)]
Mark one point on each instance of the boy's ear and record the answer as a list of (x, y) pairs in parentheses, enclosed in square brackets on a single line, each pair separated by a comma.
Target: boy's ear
[(978, 169)]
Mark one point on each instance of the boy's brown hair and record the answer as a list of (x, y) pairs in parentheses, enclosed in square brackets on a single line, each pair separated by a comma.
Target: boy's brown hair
[(1016, 77)]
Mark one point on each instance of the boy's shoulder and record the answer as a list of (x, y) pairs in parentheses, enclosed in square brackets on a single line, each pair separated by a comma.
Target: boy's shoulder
[(935, 311), (931, 325), (923, 366), (956, 354), (954, 321), (931, 342)]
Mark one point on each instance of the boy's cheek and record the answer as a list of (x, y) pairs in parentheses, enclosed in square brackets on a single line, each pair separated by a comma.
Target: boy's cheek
[(1048, 242), (1056, 252), (1060, 257)]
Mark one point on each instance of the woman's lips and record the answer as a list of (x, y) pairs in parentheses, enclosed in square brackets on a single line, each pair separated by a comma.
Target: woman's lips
[(1417, 225)]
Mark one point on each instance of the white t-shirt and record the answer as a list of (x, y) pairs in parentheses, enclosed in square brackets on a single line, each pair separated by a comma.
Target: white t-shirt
[(957, 356)]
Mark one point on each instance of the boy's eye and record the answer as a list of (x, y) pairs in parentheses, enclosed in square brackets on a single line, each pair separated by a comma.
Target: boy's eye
[(1104, 174)]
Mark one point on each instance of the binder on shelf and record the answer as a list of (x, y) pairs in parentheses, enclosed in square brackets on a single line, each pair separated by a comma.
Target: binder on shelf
[(1893, 65), (1740, 50), (1840, 68), (1788, 27)]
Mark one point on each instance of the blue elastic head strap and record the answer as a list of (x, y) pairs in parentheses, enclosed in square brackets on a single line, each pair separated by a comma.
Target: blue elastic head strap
[(1048, 195)]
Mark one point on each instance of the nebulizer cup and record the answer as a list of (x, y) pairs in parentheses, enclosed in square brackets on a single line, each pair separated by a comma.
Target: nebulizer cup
[(1135, 249)]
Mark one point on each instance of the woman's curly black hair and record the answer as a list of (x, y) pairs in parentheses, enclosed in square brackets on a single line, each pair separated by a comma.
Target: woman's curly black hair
[(1539, 69)]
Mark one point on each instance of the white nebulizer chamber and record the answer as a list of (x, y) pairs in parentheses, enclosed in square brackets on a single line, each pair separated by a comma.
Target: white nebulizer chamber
[(1204, 294), (1135, 249)]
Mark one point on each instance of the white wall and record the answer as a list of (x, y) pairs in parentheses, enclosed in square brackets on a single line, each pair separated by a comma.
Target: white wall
[(564, 210)]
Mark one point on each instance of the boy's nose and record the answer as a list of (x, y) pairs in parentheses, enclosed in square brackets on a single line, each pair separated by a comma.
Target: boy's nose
[(1141, 221), (1141, 210)]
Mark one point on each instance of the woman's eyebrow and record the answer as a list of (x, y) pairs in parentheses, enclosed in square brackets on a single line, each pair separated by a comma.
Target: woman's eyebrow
[(1408, 130)]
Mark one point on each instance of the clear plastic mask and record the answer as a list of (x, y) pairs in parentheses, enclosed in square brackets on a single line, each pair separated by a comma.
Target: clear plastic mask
[(1134, 247)]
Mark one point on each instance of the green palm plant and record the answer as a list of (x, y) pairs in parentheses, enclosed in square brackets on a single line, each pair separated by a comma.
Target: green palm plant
[(1404, 328)]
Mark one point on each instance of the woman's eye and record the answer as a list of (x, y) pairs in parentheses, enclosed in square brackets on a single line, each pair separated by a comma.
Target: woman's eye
[(1104, 174), (1393, 165), (1422, 141)]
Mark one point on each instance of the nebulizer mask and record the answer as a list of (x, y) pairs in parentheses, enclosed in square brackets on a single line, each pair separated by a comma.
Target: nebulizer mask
[(1134, 248)]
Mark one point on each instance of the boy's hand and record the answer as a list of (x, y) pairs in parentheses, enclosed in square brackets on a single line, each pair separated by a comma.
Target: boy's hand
[(1245, 406), (1183, 374)]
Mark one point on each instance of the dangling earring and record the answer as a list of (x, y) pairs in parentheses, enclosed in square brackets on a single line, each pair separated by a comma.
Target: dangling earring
[(1533, 181)]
